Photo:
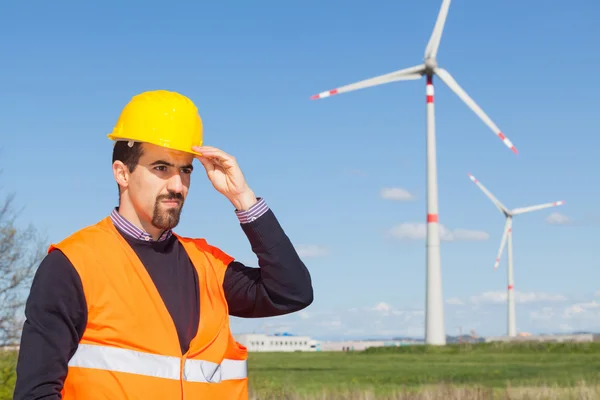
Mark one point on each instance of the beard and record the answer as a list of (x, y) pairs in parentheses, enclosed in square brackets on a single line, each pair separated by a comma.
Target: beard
[(166, 219)]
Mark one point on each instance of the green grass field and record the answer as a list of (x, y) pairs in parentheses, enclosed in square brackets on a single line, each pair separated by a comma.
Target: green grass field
[(385, 371), (477, 370)]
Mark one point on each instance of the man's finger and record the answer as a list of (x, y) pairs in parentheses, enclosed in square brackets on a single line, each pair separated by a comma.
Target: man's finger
[(222, 162), (212, 151), (208, 164), (205, 148)]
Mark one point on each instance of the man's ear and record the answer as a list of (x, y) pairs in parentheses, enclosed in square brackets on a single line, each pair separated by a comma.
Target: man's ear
[(121, 174)]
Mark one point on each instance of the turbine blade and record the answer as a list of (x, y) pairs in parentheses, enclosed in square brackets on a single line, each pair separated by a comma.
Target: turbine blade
[(436, 35), (452, 84), (489, 194), (507, 231), (523, 210), (401, 75)]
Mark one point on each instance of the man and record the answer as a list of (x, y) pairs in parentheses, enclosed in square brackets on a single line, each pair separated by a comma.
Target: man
[(128, 309)]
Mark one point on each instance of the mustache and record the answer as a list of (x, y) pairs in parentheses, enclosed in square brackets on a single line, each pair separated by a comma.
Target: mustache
[(170, 196)]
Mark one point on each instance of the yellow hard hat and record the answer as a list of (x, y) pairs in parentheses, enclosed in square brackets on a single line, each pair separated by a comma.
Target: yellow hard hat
[(160, 117)]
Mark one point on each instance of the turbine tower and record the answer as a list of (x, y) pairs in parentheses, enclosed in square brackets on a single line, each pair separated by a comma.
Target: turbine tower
[(434, 313), (507, 238)]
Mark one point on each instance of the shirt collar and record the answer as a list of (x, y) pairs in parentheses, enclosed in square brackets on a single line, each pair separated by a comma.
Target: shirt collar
[(130, 229)]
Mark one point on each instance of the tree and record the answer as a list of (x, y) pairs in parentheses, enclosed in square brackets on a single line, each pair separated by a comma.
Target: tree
[(21, 250)]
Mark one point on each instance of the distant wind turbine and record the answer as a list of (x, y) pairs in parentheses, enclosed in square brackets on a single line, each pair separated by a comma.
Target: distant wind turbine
[(434, 313), (507, 237)]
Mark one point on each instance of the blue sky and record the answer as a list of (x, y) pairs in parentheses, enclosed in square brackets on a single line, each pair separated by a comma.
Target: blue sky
[(68, 69)]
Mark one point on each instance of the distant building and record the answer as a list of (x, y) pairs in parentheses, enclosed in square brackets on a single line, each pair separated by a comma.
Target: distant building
[(544, 338), (359, 345), (288, 342), (276, 342), (350, 345)]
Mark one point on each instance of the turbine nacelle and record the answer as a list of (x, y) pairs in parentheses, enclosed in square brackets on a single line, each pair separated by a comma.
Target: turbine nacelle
[(430, 66)]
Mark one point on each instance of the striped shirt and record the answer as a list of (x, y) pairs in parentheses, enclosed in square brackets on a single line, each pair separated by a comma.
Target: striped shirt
[(244, 216)]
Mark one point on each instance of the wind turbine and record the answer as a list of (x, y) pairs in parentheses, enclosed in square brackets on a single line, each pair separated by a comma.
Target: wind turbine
[(434, 313), (507, 237)]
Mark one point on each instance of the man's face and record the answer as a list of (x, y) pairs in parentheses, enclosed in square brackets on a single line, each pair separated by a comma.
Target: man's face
[(159, 185)]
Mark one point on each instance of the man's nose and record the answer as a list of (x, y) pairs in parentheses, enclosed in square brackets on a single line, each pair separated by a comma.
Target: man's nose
[(175, 184)]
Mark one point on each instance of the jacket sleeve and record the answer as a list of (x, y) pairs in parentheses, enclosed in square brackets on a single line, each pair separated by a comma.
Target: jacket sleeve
[(281, 285), (56, 316)]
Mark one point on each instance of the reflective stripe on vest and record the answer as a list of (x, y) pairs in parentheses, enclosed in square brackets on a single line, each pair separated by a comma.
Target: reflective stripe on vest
[(159, 366)]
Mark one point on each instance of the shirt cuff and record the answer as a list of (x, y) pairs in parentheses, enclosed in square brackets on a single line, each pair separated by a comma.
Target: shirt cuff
[(254, 212)]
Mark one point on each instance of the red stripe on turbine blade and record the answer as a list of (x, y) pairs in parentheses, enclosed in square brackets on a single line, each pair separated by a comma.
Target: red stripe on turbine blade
[(429, 99), (503, 138), (322, 95), (510, 287), (432, 218)]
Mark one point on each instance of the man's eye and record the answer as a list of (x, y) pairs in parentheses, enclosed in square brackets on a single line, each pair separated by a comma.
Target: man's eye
[(161, 168), (186, 170)]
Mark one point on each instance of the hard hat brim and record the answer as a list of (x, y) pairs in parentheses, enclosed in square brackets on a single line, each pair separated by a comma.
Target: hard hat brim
[(122, 139)]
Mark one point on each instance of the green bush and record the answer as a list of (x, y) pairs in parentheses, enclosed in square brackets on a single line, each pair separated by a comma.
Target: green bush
[(8, 360), (492, 348)]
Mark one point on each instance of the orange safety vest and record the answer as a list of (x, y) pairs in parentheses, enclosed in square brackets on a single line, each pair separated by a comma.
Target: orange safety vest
[(130, 348)]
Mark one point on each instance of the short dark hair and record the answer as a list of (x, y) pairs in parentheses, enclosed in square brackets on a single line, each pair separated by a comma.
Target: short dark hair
[(128, 155)]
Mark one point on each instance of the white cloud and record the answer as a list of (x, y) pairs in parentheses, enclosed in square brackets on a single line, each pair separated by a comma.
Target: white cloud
[(311, 250), (581, 316), (382, 307), (558, 219), (418, 231), (304, 315), (580, 308), (489, 297), (533, 297), (333, 323), (409, 231), (546, 313), (398, 194), (572, 310), (498, 297), (463, 234), (385, 310), (282, 329), (485, 313)]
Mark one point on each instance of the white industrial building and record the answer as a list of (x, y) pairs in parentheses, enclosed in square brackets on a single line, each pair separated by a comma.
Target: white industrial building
[(276, 342)]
